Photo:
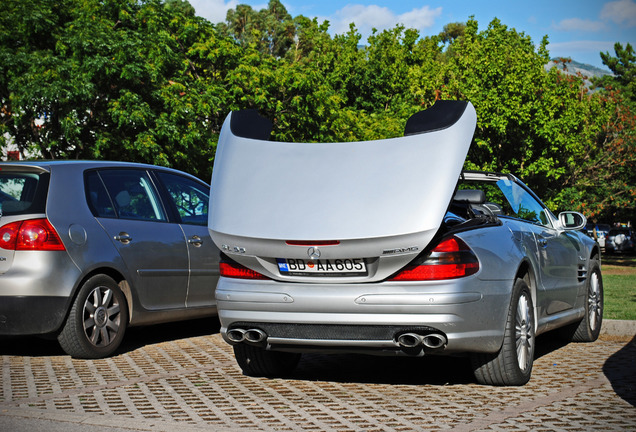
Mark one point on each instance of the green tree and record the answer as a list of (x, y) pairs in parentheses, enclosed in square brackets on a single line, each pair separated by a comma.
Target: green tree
[(452, 31), (272, 29), (574, 147), (115, 79), (623, 67), (502, 73)]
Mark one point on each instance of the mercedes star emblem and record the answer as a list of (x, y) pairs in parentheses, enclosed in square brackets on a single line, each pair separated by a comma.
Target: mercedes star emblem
[(313, 252)]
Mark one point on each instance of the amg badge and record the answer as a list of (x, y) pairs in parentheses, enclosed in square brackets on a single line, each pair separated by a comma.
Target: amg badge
[(400, 250)]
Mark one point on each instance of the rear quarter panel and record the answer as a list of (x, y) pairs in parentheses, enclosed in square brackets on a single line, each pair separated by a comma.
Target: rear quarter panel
[(500, 250)]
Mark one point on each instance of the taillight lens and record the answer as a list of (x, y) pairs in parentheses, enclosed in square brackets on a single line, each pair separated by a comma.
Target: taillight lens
[(237, 271), (32, 234), (451, 259)]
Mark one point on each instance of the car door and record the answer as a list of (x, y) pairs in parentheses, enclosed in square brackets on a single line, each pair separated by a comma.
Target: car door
[(128, 207), (556, 250), (190, 200)]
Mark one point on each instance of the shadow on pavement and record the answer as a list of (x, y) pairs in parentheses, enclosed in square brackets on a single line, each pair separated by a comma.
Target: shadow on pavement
[(620, 370), (135, 338), (358, 368), (30, 346), (432, 370), (138, 337)]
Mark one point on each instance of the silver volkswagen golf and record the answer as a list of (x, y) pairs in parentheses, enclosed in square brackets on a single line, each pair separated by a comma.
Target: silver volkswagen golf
[(89, 248), (387, 247)]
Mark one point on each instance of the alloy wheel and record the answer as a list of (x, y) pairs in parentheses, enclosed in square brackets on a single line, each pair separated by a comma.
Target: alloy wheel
[(594, 302), (101, 316), (524, 333)]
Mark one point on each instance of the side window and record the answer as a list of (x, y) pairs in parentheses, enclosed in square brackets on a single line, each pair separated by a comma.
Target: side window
[(189, 197), (132, 194), (523, 204), (98, 200)]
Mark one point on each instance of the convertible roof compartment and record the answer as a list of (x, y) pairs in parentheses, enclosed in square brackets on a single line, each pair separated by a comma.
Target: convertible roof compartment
[(338, 191)]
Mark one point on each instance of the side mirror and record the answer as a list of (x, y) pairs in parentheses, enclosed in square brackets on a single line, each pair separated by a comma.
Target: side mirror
[(572, 221)]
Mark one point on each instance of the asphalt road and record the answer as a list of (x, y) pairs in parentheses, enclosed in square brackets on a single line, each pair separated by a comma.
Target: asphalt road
[(179, 377)]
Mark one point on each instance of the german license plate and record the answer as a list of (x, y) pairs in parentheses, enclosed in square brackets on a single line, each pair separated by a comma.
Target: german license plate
[(322, 267)]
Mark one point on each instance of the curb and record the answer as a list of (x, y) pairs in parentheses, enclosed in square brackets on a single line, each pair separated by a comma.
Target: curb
[(622, 328)]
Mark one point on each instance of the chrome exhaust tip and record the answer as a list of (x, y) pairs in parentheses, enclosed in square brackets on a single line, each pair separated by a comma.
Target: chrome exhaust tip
[(236, 335), (434, 341), (409, 340), (255, 336)]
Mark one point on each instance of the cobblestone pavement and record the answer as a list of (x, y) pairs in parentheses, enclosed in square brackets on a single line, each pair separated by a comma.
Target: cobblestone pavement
[(175, 377)]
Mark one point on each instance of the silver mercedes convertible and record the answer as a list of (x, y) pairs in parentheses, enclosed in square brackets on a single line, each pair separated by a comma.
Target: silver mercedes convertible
[(388, 248)]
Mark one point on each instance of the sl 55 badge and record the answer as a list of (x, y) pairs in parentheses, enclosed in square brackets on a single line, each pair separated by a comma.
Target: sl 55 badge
[(233, 249)]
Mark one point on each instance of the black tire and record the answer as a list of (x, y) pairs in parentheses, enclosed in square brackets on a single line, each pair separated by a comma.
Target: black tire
[(512, 365), (96, 324), (589, 328), (257, 362)]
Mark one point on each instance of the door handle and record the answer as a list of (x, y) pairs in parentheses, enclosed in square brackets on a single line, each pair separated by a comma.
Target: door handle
[(123, 237), (195, 241)]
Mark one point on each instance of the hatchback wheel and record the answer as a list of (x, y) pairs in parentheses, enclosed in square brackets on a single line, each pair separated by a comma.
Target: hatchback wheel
[(257, 362), (512, 365), (97, 321)]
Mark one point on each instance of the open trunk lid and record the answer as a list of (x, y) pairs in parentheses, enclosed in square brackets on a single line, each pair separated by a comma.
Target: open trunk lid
[(381, 201)]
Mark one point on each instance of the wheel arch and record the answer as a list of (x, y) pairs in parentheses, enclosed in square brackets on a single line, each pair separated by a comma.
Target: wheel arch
[(595, 253), (114, 274), (526, 272)]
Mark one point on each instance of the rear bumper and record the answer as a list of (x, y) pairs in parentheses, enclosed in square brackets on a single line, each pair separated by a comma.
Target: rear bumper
[(469, 312), (35, 293), (31, 315)]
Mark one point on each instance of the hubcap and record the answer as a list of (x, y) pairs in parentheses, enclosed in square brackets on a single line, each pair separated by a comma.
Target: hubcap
[(101, 316), (524, 333), (594, 301)]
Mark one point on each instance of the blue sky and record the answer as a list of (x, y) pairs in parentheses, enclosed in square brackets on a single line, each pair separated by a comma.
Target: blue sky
[(575, 28)]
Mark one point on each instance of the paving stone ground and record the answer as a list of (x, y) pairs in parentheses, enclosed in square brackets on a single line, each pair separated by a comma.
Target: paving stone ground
[(179, 377)]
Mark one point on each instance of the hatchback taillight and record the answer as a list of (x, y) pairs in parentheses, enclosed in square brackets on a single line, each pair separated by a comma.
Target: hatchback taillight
[(32, 234), (235, 270), (451, 259)]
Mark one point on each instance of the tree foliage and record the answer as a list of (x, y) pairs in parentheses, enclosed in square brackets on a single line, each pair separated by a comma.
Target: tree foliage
[(147, 80), (115, 79), (623, 67)]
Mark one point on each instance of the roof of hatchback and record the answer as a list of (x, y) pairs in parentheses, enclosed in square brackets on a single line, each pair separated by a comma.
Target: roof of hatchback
[(88, 163), (50, 165)]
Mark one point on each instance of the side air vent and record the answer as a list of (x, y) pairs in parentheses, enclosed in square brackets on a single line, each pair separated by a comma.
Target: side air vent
[(582, 273)]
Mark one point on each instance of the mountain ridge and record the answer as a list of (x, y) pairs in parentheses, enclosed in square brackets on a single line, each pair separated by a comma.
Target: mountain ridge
[(573, 67)]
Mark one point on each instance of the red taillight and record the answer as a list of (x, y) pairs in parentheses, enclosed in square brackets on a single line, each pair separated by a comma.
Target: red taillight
[(450, 259), (32, 234), (237, 271), (9, 235)]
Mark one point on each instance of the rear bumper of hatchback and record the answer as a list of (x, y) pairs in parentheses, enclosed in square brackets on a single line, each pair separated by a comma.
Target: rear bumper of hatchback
[(461, 315), (36, 291), (31, 315)]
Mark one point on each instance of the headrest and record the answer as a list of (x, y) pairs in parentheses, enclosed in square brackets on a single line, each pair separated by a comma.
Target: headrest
[(471, 196)]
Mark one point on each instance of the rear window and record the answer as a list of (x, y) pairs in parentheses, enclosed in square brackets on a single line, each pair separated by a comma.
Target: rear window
[(23, 192)]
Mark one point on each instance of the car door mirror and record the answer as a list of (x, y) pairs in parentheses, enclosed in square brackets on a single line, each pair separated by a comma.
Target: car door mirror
[(572, 220)]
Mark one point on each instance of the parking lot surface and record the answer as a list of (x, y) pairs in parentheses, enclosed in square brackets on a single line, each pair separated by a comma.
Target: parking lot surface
[(178, 377)]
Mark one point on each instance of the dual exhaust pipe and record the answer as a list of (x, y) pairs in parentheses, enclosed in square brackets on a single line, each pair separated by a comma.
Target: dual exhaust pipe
[(251, 336), (407, 341), (414, 340)]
